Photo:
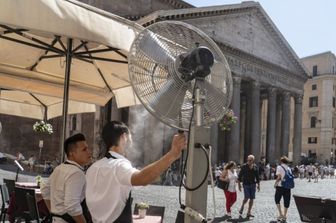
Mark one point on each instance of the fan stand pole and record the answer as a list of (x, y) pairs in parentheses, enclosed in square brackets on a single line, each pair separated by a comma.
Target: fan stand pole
[(197, 165)]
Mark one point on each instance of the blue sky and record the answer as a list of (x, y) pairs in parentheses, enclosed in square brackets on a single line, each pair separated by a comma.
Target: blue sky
[(309, 26)]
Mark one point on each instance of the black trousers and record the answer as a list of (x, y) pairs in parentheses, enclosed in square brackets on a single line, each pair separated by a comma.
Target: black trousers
[(282, 192)]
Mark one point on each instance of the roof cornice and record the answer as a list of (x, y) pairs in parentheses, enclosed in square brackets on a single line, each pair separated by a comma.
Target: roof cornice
[(252, 58), (178, 4), (319, 54)]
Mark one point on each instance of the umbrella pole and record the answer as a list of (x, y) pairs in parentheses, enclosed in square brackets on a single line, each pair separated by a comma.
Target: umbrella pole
[(68, 58)]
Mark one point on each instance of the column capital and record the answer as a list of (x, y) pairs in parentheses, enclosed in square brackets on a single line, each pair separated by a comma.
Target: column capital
[(255, 85), (286, 96), (236, 81), (298, 98), (272, 91)]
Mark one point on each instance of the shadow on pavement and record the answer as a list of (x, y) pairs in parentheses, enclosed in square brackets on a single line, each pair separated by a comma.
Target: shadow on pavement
[(228, 219)]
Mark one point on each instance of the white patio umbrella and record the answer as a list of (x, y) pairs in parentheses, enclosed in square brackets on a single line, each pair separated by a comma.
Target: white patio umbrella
[(37, 106), (63, 48)]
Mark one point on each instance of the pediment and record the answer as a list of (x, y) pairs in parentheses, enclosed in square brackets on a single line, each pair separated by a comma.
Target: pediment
[(245, 27), (246, 32)]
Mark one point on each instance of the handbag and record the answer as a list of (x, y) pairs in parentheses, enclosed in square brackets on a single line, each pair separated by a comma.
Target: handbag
[(224, 185)]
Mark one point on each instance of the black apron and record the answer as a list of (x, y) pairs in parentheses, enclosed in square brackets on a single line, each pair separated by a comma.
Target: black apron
[(66, 217), (126, 214)]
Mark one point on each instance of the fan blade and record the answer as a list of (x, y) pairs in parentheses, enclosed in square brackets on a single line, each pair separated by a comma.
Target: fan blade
[(169, 99), (155, 49), (215, 100)]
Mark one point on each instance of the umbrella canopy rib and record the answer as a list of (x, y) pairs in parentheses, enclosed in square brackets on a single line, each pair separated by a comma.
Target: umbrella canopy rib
[(101, 59), (27, 43), (99, 71), (9, 31), (45, 53), (31, 38), (44, 105)]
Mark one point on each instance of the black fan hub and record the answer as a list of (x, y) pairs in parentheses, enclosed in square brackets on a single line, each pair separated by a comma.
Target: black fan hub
[(196, 64)]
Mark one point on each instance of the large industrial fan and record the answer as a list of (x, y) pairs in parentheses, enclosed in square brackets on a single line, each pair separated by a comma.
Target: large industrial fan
[(181, 76)]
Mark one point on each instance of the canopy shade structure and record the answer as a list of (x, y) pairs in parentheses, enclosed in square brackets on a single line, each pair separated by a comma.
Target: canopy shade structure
[(33, 48), (64, 48), (36, 106)]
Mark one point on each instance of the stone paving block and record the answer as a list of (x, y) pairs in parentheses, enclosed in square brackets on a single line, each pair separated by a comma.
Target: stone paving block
[(264, 207)]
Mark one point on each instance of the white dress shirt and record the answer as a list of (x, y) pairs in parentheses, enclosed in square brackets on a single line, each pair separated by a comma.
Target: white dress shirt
[(108, 187), (65, 189)]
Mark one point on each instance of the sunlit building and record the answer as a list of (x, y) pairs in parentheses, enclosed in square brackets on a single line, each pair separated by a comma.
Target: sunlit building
[(319, 117)]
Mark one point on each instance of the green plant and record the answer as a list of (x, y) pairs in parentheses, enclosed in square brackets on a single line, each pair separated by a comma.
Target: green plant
[(228, 120), (38, 179), (142, 205), (43, 127)]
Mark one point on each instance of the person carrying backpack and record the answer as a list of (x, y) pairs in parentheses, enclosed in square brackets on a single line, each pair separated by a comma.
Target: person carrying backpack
[(283, 184)]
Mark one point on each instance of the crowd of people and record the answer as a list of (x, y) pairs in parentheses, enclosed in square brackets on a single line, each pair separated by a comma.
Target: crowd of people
[(250, 174), (247, 178), (314, 172)]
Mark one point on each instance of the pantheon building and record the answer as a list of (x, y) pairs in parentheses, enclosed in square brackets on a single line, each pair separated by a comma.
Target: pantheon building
[(268, 78), (268, 81)]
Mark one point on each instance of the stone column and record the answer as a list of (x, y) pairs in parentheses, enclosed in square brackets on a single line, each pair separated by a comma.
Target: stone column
[(271, 115), (278, 125), (242, 120), (255, 120), (285, 125), (297, 129), (247, 133), (234, 152)]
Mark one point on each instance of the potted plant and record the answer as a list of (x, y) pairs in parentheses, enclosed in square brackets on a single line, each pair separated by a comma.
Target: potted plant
[(142, 208), (38, 179), (228, 120), (43, 127)]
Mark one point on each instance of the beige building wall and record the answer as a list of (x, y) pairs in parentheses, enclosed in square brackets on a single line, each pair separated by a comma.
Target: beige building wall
[(321, 85)]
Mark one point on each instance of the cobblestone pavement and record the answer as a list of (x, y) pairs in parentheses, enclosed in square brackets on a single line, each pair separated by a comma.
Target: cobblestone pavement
[(264, 208)]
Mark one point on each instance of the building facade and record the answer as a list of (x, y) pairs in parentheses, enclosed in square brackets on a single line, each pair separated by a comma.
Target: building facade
[(319, 117), (265, 69), (266, 72)]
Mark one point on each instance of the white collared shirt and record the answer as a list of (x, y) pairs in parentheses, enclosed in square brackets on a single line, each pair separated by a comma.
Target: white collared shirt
[(108, 187), (65, 188)]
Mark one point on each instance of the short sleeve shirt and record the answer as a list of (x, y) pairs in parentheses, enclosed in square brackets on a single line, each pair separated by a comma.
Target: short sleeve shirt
[(280, 171), (108, 187), (65, 188)]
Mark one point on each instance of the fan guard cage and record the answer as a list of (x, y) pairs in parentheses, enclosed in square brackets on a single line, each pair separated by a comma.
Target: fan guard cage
[(158, 84)]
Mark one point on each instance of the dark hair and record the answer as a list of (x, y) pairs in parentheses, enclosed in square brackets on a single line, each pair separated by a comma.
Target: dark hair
[(112, 132), (71, 141), (229, 165), (284, 159)]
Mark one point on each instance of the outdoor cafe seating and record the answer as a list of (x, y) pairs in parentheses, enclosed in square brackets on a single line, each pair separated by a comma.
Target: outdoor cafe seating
[(21, 203), (26, 203)]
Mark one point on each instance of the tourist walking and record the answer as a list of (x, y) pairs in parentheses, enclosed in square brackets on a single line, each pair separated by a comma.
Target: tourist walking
[(229, 175), (310, 171), (283, 184), (249, 176)]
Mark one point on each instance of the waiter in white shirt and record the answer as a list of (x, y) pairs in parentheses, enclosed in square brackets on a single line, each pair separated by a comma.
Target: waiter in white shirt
[(110, 179), (64, 191)]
